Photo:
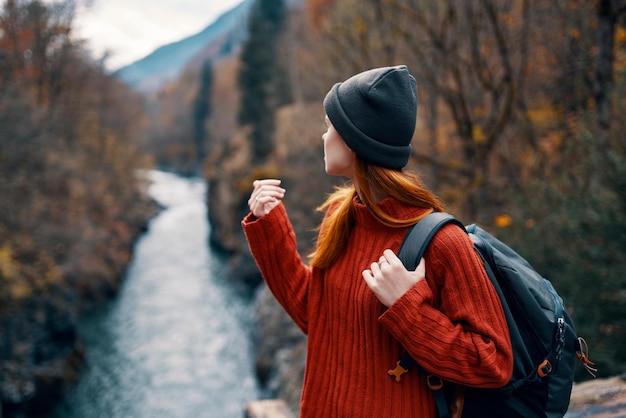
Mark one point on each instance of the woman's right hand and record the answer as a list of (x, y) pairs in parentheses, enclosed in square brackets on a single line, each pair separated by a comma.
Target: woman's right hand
[(266, 195)]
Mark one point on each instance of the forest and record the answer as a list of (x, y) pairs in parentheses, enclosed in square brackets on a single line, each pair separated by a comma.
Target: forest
[(520, 128)]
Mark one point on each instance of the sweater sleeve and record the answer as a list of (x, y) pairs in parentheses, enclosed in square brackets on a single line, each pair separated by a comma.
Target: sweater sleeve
[(272, 243), (452, 323)]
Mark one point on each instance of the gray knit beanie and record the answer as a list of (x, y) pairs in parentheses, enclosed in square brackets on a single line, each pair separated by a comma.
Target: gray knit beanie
[(375, 113)]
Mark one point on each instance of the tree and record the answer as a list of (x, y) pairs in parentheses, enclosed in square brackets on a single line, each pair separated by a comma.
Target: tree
[(261, 79), (202, 111), (608, 14), (36, 38)]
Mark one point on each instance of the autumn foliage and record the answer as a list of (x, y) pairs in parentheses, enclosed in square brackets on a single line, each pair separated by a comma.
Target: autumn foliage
[(70, 205)]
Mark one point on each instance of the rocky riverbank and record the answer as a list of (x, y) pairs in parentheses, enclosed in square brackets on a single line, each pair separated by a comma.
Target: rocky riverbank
[(41, 354), (599, 398)]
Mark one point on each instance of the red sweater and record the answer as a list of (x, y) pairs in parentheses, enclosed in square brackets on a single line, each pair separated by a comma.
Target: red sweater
[(451, 323)]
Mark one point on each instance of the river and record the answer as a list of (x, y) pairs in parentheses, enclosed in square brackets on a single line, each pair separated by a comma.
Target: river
[(175, 341)]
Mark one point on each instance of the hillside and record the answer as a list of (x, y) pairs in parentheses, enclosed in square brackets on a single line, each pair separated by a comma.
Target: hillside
[(166, 63)]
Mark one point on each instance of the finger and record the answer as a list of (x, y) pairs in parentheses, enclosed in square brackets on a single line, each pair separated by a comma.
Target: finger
[(375, 269), (252, 201), (266, 182), (274, 193), (264, 200), (368, 277), (391, 257), (266, 194), (268, 191), (254, 198), (258, 185), (383, 264)]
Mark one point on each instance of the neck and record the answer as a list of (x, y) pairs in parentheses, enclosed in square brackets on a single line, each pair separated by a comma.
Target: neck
[(377, 194)]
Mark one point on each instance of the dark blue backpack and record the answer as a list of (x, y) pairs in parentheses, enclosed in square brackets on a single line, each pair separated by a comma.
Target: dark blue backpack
[(544, 340)]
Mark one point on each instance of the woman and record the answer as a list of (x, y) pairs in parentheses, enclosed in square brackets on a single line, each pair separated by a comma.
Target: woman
[(358, 305)]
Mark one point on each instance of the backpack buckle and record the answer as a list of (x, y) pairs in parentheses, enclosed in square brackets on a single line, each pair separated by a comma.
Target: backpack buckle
[(398, 371), (544, 369), (434, 382)]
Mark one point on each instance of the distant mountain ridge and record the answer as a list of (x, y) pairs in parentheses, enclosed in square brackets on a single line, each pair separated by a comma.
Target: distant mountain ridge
[(219, 39)]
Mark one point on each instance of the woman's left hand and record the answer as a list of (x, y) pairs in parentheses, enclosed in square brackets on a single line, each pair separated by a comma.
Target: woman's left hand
[(389, 279)]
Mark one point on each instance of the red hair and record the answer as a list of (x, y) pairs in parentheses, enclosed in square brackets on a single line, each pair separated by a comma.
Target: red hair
[(403, 186)]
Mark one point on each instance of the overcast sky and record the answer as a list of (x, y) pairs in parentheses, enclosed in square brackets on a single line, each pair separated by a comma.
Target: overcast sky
[(132, 29)]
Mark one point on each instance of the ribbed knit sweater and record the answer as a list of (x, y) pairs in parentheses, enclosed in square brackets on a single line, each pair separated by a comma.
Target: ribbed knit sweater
[(452, 323)]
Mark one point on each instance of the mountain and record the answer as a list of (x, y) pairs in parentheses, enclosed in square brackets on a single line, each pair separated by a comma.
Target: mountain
[(166, 63)]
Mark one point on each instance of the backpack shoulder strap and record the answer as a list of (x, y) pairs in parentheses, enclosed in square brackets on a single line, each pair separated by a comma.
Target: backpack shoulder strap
[(413, 247), (419, 236)]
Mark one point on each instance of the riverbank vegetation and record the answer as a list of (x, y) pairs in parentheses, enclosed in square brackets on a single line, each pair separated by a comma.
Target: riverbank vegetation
[(70, 201)]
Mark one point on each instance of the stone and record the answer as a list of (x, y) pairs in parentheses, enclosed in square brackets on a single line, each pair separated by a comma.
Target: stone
[(269, 408)]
